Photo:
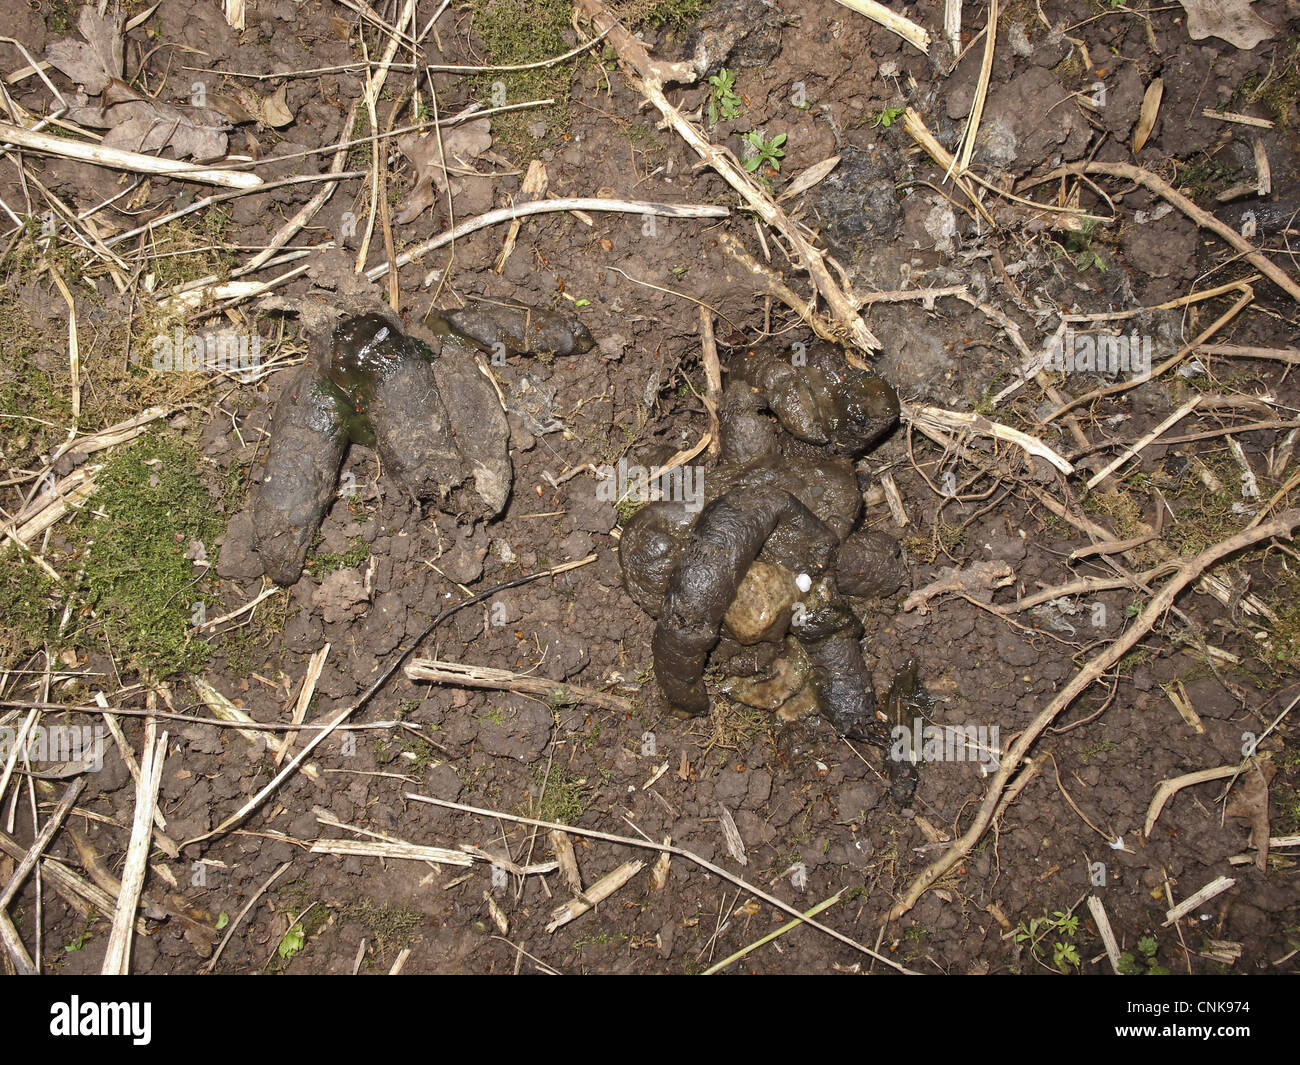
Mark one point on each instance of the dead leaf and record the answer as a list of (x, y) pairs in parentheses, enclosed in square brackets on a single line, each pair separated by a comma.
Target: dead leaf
[(232, 108), (134, 122), (462, 143), (271, 111), (275, 109), (1250, 802), (1232, 20), (810, 177), (139, 124), (1147, 118), (95, 62)]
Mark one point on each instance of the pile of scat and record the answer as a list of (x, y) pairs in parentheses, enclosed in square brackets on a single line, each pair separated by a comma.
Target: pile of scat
[(433, 417), (762, 580)]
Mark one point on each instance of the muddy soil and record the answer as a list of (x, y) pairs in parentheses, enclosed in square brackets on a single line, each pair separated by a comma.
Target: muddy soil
[(813, 812)]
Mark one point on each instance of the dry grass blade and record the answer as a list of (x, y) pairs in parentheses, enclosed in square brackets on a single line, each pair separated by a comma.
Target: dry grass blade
[(368, 848), (497, 914), (1217, 886), (952, 25), (1104, 930), (597, 893), (1243, 351), (234, 12), (917, 36), (981, 91), (534, 187), (37, 849), (1135, 448), (712, 379), (894, 499), (87, 898), (717, 967), (119, 159), (13, 943), (924, 417), (1111, 547), (77, 449), (462, 674), (265, 593), (567, 859), (117, 957), (522, 210), (49, 508), (731, 836), (230, 292), (810, 177), (916, 128), (511, 867), (314, 666), (227, 711), (1233, 116), (74, 347)]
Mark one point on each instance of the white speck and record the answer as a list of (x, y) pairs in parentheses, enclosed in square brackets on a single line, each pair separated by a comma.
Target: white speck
[(1117, 844), (803, 582)]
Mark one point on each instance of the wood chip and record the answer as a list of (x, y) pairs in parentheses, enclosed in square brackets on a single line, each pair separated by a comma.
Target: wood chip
[(598, 892), (731, 835), (1215, 887), (568, 860), (1178, 696), (1107, 934)]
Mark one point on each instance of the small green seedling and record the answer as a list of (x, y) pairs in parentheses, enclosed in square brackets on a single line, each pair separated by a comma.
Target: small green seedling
[(1145, 962), (1036, 931), (723, 100), (887, 117), (762, 151), (292, 942)]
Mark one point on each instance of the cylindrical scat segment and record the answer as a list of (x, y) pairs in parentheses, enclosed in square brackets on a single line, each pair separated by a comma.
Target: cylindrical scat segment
[(522, 330), (649, 550), (870, 563), (308, 437), (831, 635), (483, 443), (727, 537), (412, 431)]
